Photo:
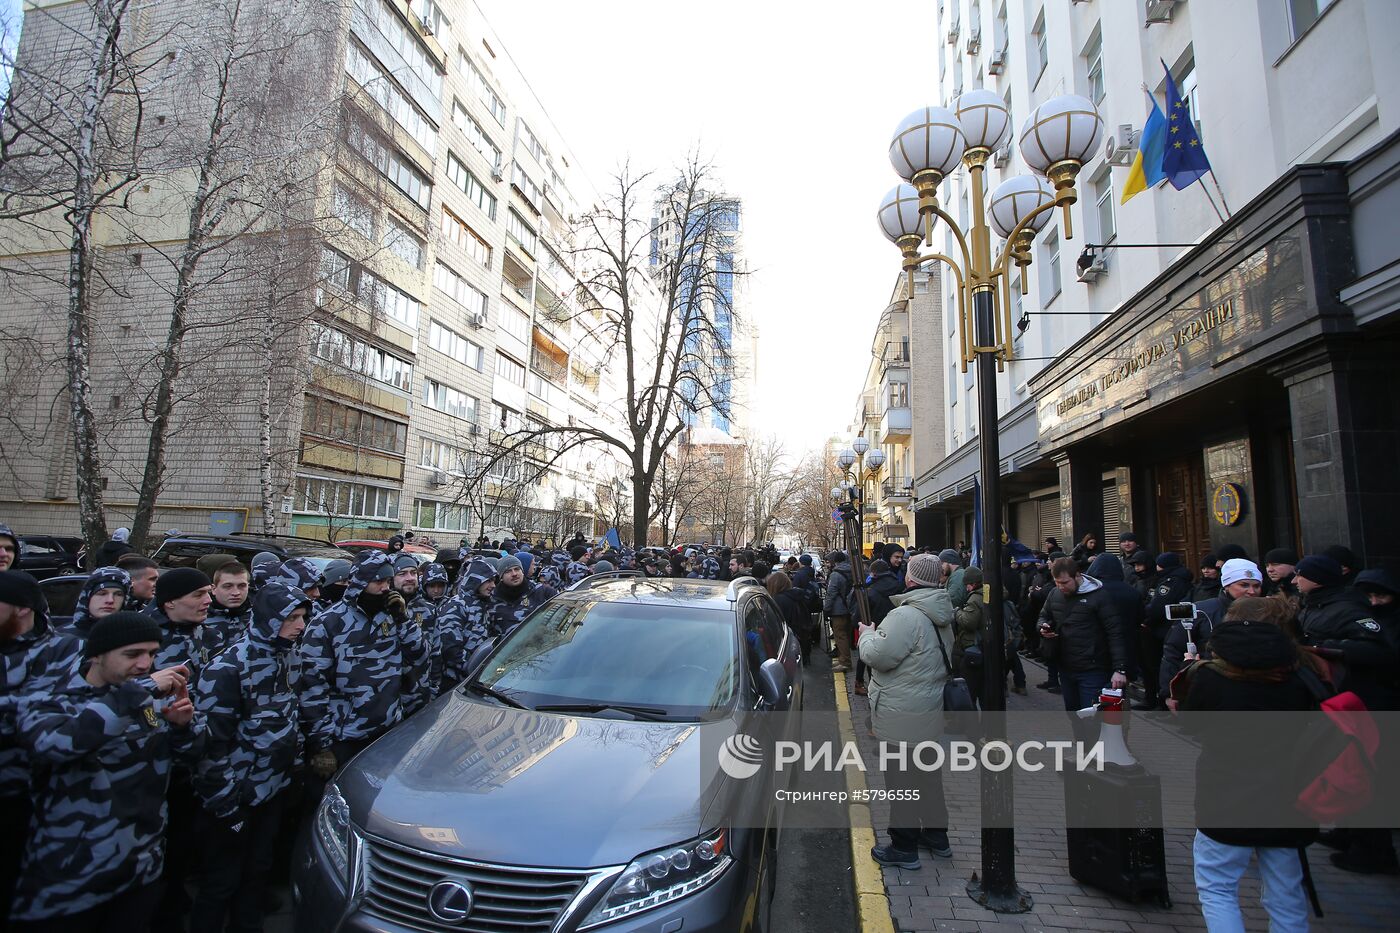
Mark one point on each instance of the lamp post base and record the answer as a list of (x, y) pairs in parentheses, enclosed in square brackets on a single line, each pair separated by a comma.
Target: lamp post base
[(1015, 901)]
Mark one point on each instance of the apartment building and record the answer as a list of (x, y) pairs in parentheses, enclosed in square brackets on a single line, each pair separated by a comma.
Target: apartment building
[(900, 408), (441, 307), (1185, 360)]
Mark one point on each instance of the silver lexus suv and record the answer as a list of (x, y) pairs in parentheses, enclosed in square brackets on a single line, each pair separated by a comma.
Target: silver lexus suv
[(561, 787)]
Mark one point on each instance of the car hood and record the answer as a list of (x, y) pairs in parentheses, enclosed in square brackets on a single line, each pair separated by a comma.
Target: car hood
[(468, 778)]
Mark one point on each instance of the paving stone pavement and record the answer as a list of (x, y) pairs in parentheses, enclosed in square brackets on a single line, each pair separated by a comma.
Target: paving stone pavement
[(935, 897)]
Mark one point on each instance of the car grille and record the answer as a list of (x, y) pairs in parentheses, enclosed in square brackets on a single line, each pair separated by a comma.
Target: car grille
[(507, 899)]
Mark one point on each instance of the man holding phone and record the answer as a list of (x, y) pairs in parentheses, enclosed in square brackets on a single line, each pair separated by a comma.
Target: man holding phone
[(1238, 578), (1080, 621), (97, 842)]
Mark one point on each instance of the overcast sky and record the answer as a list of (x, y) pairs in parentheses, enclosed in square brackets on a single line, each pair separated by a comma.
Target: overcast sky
[(795, 103)]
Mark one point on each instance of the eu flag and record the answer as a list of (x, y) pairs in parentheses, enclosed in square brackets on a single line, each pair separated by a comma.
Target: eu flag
[(1184, 159)]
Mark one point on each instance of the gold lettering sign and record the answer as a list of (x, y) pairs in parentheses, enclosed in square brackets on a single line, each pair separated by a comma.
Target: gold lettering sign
[(1146, 357)]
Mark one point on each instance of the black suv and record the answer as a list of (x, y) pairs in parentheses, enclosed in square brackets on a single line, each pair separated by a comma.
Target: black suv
[(43, 556), (185, 550), (562, 787)]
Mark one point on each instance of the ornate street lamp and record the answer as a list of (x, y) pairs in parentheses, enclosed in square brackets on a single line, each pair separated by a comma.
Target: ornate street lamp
[(929, 144)]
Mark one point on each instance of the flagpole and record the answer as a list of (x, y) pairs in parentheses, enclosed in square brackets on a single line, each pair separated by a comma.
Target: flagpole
[(1200, 181), (1215, 181)]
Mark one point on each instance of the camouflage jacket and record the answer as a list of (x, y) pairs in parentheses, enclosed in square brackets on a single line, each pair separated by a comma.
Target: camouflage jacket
[(180, 644), (461, 625), (222, 628), (99, 801), (506, 612), (31, 664), (248, 698), (361, 674), (424, 612), (575, 571)]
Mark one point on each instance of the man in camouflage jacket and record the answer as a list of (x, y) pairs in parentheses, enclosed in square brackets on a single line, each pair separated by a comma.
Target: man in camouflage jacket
[(183, 597), (424, 608), (514, 598), (363, 665), (247, 696), (461, 622), (97, 841), (32, 658), (104, 592)]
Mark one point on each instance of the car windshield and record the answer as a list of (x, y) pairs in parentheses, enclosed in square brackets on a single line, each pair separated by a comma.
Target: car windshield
[(680, 661)]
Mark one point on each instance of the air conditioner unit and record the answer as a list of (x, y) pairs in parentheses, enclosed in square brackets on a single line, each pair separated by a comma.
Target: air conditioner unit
[(1002, 155), (953, 33), (1119, 148), (974, 40), (476, 320), (1159, 11), (1092, 272), (473, 429), (497, 174), (997, 63), (437, 478)]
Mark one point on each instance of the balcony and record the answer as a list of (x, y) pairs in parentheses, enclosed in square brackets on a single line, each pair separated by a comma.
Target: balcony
[(896, 426), (898, 489), (895, 356)]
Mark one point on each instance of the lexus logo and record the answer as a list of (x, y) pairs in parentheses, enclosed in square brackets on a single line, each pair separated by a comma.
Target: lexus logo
[(450, 901)]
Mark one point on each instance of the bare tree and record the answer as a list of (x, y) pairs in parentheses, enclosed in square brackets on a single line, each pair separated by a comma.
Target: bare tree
[(71, 148), (771, 480), (257, 121), (808, 512), (653, 265)]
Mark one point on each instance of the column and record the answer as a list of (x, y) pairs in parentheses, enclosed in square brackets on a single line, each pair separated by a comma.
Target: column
[(1081, 497)]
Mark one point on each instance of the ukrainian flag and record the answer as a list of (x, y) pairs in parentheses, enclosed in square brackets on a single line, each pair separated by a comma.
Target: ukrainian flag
[(1147, 164)]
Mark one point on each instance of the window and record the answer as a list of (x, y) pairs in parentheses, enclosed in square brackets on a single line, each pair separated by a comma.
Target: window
[(431, 15), (437, 455), (1040, 47), (403, 244), (1189, 89), (532, 142), (515, 322), (476, 135), (453, 344), (899, 395), (1303, 13), (483, 88), (506, 419), (405, 41), (368, 289), (509, 370), (1103, 200), (1050, 284), (455, 230), (381, 88), (462, 291), (342, 350), (448, 400), (440, 516), (476, 192), (353, 212), (518, 230), (339, 422), (389, 163), (526, 184), (1093, 58), (357, 500)]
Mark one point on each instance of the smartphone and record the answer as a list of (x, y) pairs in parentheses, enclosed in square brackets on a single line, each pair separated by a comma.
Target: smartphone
[(1181, 612)]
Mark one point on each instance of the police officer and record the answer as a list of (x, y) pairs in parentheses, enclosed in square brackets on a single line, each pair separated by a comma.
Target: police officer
[(104, 592), (461, 622), (1338, 624), (247, 696), (363, 667), (32, 658), (97, 843)]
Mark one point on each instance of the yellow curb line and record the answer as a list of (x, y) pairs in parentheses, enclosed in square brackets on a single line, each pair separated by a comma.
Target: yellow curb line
[(872, 903)]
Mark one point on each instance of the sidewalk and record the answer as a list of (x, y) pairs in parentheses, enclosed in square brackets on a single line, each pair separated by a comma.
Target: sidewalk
[(935, 897)]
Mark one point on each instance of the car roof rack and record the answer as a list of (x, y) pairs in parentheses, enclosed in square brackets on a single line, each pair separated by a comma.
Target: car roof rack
[(732, 594), (593, 579)]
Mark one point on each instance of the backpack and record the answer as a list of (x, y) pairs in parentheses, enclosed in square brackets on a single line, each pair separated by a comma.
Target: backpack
[(1334, 758)]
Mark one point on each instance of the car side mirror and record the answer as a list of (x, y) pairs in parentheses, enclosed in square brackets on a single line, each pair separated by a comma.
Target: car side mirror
[(773, 684), (478, 658)]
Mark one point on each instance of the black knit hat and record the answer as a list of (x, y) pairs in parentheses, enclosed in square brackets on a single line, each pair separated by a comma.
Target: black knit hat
[(121, 629), (18, 588), (1282, 555), (182, 581), (1320, 569)]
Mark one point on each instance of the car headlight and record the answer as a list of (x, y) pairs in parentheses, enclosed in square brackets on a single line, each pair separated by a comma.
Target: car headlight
[(333, 831), (663, 876)]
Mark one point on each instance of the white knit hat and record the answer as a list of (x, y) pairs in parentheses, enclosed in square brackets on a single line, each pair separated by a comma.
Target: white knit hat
[(1237, 569)]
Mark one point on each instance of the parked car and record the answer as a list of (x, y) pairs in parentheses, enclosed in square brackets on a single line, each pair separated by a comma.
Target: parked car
[(562, 786), (421, 552), (61, 593), (43, 556), (185, 550)]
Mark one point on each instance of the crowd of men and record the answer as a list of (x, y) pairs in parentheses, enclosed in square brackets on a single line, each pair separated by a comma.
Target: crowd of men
[(159, 749)]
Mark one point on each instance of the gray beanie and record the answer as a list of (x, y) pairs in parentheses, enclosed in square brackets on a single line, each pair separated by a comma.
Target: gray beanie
[(509, 562), (950, 556), (603, 566)]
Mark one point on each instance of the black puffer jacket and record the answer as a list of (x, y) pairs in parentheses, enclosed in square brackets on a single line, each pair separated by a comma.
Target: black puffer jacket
[(1109, 571), (1089, 628), (878, 593), (1237, 770), (1340, 620)]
